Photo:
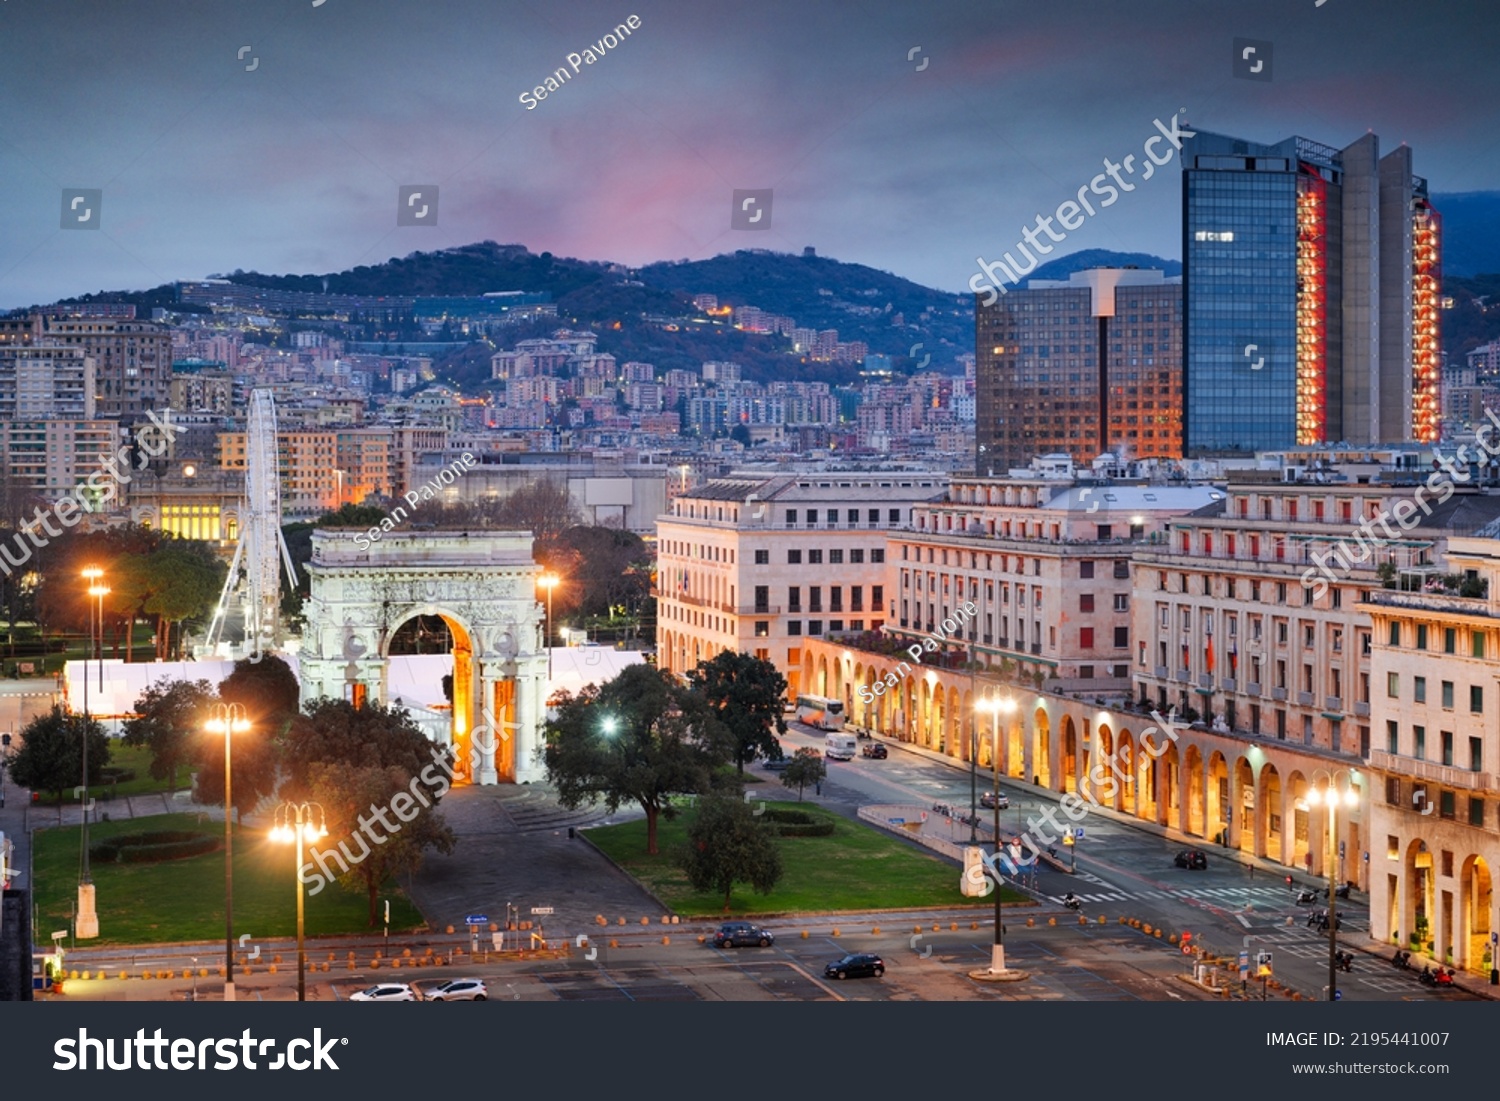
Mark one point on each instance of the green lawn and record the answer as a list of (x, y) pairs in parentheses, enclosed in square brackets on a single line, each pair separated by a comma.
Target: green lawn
[(856, 868), (183, 900), (122, 756)]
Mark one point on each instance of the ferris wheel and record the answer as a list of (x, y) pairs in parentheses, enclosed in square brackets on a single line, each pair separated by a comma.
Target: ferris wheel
[(260, 549)]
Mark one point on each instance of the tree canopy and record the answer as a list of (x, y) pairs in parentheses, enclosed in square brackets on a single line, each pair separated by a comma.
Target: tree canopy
[(728, 844), (746, 694), (51, 753), (807, 767), (639, 738), (170, 718)]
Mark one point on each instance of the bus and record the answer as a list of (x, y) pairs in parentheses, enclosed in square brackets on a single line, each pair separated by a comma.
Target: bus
[(818, 711)]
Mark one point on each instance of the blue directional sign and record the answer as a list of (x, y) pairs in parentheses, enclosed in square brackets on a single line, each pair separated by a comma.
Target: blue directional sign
[(477, 919)]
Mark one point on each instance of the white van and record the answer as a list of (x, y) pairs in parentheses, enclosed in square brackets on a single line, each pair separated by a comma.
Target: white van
[(840, 747)]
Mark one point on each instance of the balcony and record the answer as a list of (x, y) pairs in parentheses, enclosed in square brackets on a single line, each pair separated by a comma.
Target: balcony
[(1205, 680), (1446, 775), (1333, 703), (1252, 689), (1160, 672), (1228, 684), (1304, 699), (760, 609), (1362, 710), (1036, 648), (1434, 602), (1278, 693)]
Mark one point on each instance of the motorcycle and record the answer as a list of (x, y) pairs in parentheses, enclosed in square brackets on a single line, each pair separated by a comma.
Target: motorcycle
[(1401, 960), (1306, 898), (1427, 978), (1072, 903)]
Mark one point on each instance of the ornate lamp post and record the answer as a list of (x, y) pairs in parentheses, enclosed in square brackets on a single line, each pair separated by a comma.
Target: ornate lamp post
[(295, 823), (1331, 796), (228, 719)]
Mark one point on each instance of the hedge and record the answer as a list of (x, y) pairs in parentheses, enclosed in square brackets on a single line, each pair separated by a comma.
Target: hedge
[(815, 829), (153, 847), (789, 816)]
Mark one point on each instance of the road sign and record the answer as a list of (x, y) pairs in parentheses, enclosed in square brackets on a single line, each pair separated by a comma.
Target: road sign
[(1078, 833), (1244, 964), (895, 821), (541, 910), (1341, 850), (477, 919), (1495, 938)]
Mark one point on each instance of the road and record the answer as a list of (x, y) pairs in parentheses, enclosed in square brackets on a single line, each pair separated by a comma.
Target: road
[(1126, 869)]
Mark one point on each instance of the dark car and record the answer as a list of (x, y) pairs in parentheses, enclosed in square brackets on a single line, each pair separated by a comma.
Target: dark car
[(739, 934), (776, 764), (856, 966), (989, 800), (875, 750), (1191, 858)]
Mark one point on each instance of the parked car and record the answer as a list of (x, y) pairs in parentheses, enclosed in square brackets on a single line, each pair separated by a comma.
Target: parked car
[(989, 801), (1191, 858), (776, 764), (738, 934), (385, 992), (855, 966), (459, 990), (874, 750)]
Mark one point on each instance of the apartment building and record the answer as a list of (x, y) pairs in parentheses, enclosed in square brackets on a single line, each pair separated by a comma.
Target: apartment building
[(45, 381), (758, 564), (1434, 796)]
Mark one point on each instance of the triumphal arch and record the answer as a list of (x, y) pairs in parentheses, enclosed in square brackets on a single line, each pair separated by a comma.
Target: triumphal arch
[(482, 586)]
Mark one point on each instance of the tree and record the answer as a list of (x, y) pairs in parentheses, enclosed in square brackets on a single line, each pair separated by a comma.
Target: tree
[(354, 799), (187, 579), (638, 739), (170, 722), (335, 732), (544, 508), (51, 754), (602, 568), (267, 689), (745, 693), (740, 434), (727, 844), (807, 767)]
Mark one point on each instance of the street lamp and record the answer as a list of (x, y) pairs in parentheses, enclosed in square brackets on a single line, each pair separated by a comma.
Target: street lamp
[(294, 822), (1331, 798), (997, 706), (228, 719), (86, 924), (549, 582)]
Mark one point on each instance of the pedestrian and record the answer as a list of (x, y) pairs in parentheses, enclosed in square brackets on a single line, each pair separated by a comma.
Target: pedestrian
[(818, 787)]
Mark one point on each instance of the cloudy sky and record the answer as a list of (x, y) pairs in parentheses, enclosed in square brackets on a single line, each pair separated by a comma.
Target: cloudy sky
[(289, 158)]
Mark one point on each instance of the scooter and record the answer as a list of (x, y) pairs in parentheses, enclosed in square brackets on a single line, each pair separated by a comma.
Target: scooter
[(1306, 897), (1427, 978), (1072, 903), (1401, 960)]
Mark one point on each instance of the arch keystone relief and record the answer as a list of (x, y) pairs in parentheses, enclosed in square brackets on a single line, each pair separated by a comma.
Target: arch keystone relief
[(481, 585)]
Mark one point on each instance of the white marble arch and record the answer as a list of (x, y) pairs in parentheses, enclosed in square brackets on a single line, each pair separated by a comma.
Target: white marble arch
[(483, 585)]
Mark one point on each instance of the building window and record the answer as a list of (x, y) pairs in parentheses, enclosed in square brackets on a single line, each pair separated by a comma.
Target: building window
[(1476, 811), (794, 627), (815, 626), (1446, 689), (1086, 638), (1476, 754), (856, 598), (794, 600), (791, 516), (1419, 742), (1122, 602), (1393, 685), (877, 597), (794, 558), (1476, 641), (762, 628), (815, 598), (1446, 737), (762, 598), (836, 558), (1085, 569), (1085, 672), (1395, 635), (762, 558), (835, 626), (1086, 602), (835, 599), (1476, 698), (1122, 638), (1450, 640), (1392, 736), (1393, 791), (1421, 636), (814, 558), (857, 556), (1419, 689), (877, 555), (1446, 803)]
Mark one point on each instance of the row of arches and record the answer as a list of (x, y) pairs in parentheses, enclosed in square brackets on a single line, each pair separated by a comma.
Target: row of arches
[(1238, 797)]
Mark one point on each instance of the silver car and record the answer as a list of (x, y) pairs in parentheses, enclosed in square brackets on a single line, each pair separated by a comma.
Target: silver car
[(459, 990)]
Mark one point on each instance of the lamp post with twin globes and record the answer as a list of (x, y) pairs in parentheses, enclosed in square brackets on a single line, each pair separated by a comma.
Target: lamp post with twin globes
[(295, 823), (997, 706), (228, 719), (1331, 796)]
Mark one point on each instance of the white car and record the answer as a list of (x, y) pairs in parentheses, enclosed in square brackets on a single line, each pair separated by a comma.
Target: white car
[(458, 990), (385, 992)]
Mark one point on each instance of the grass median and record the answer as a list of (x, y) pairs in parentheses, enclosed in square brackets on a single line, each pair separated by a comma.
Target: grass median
[(183, 900), (857, 868)]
